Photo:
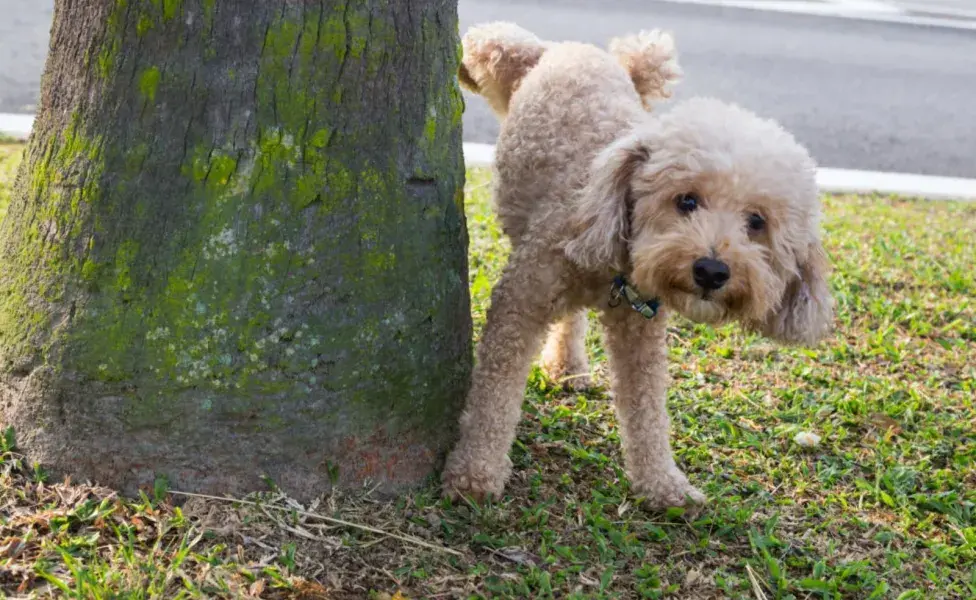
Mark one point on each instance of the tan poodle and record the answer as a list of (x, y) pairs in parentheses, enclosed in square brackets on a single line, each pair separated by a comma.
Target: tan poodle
[(706, 210)]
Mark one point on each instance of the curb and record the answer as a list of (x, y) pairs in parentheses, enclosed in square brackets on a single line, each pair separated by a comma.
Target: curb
[(16, 126), (830, 180), (928, 187)]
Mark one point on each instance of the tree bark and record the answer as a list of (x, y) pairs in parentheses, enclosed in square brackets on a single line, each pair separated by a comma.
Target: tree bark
[(236, 249)]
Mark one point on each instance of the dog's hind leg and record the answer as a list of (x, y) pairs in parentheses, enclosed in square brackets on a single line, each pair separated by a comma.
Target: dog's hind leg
[(522, 306), (638, 355), (564, 357)]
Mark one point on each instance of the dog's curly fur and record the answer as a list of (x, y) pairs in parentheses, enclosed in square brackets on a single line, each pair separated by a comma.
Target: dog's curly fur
[(587, 182)]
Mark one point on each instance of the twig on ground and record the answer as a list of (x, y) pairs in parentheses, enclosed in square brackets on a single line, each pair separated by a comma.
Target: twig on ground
[(403, 538), (756, 588)]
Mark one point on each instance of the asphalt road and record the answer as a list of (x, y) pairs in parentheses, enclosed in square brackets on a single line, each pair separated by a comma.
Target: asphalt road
[(25, 27), (860, 94)]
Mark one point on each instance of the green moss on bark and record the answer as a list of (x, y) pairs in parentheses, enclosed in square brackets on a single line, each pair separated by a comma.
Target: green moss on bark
[(149, 82), (112, 46)]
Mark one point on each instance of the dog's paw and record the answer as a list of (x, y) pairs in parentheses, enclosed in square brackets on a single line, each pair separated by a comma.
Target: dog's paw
[(573, 382), (577, 383), (573, 375), (473, 479), (668, 489)]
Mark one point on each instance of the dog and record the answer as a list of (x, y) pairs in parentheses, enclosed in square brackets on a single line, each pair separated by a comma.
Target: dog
[(706, 210)]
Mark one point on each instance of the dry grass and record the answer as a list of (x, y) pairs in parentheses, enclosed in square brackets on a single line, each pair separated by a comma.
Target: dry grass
[(883, 507)]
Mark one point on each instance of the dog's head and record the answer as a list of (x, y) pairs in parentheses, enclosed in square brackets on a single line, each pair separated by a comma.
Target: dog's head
[(716, 212)]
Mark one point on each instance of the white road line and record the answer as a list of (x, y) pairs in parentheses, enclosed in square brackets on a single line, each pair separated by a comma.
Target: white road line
[(942, 11), (830, 180), (866, 5), (838, 10), (813, 7)]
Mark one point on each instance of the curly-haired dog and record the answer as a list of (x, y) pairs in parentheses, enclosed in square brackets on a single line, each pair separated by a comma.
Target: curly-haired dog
[(705, 209)]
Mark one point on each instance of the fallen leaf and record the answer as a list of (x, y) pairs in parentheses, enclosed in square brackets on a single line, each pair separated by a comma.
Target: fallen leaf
[(310, 590), (12, 547), (27, 581), (883, 421), (518, 556), (807, 439)]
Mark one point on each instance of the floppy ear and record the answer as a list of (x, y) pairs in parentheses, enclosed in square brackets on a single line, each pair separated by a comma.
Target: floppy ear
[(805, 314), (600, 223), (466, 80)]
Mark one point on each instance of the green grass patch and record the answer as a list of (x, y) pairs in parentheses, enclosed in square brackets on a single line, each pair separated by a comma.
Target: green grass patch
[(883, 507)]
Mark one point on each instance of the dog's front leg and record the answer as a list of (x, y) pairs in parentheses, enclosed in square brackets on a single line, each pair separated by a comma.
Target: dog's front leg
[(522, 306), (638, 358)]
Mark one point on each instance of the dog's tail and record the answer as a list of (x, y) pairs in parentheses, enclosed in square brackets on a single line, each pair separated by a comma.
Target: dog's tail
[(651, 60), (497, 56)]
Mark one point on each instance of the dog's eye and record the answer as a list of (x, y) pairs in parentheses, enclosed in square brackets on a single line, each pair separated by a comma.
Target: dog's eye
[(756, 223), (687, 203)]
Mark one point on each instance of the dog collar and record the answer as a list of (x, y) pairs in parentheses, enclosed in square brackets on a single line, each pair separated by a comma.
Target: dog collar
[(621, 289)]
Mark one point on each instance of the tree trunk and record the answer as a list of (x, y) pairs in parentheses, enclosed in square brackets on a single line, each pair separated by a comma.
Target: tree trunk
[(236, 248)]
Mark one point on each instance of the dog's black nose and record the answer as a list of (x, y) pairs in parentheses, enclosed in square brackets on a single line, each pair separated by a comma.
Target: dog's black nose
[(710, 274)]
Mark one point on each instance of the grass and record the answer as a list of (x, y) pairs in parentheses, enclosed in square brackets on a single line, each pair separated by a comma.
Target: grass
[(883, 507)]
